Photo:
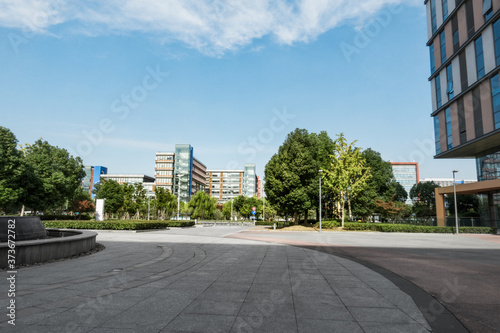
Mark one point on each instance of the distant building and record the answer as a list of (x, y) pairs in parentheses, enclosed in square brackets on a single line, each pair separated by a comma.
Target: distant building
[(442, 182), (92, 176), (180, 172), (406, 174), (164, 171), (225, 185), (146, 181)]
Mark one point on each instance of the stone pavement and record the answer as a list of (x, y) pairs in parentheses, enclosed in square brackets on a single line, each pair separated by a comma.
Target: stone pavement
[(202, 280)]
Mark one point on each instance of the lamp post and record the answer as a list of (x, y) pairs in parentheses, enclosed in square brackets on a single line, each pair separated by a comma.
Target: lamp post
[(455, 197), (320, 171), (263, 203), (178, 195), (149, 201), (232, 199)]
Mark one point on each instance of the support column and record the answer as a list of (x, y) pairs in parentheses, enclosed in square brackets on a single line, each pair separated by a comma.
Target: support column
[(492, 210), (440, 208)]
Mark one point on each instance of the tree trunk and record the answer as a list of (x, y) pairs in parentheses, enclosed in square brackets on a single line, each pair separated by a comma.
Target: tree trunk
[(342, 207), (349, 205), (296, 217), (306, 215)]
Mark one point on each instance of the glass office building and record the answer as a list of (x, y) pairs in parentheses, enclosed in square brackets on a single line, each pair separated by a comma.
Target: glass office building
[(464, 42), (406, 174)]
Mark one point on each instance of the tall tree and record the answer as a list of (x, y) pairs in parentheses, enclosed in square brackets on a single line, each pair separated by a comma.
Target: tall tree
[(203, 206), (400, 193), (11, 170), (59, 172), (381, 184), (467, 205), (423, 194), (112, 192), (292, 174), (166, 202), (347, 175)]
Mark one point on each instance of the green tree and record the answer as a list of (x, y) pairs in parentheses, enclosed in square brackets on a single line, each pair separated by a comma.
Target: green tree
[(166, 203), (203, 206), (129, 205), (347, 175), (11, 170), (112, 192), (226, 210), (292, 174), (467, 205), (400, 193), (381, 184), (423, 194), (60, 174)]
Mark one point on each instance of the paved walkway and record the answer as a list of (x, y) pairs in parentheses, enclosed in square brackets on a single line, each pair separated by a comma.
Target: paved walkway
[(205, 280)]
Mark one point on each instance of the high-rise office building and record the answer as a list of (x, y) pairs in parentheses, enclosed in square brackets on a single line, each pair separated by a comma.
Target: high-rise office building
[(225, 185), (180, 172), (92, 176), (464, 46), (164, 171), (406, 174), (250, 181)]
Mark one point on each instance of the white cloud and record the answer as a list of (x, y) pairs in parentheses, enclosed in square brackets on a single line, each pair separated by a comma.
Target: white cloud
[(212, 26)]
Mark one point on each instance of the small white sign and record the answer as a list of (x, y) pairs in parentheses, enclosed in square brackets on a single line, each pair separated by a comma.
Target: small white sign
[(99, 209)]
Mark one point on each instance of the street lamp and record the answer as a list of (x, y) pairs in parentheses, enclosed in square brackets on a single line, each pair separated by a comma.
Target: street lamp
[(149, 201), (263, 203), (455, 197), (178, 194), (320, 171)]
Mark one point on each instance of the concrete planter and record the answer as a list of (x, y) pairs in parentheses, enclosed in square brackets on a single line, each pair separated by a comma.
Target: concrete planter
[(51, 244)]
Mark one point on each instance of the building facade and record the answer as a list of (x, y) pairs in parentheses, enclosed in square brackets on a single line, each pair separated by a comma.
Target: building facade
[(464, 46), (180, 172), (225, 185), (443, 182), (147, 182), (92, 176), (164, 171), (406, 174)]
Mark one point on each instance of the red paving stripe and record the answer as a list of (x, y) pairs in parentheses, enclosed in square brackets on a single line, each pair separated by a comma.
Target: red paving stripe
[(488, 238)]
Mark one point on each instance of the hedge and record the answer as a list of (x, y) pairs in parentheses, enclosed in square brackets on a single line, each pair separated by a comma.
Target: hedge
[(116, 225), (272, 223), (382, 227), (328, 224), (82, 217)]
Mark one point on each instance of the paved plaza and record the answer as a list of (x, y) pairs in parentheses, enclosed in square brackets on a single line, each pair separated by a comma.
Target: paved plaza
[(234, 279)]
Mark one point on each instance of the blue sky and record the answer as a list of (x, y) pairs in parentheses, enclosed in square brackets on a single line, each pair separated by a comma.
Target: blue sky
[(116, 83)]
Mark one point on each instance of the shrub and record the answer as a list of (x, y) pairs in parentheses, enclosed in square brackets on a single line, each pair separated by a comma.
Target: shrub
[(414, 228), (117, 225), (328, 224), (279, 223), (82, 217)]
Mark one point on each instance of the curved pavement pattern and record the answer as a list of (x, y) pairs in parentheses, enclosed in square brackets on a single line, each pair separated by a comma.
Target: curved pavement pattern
[(203, 280)]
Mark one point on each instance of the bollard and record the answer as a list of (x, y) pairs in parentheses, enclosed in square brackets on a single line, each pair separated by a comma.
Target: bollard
[(274, 226)]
